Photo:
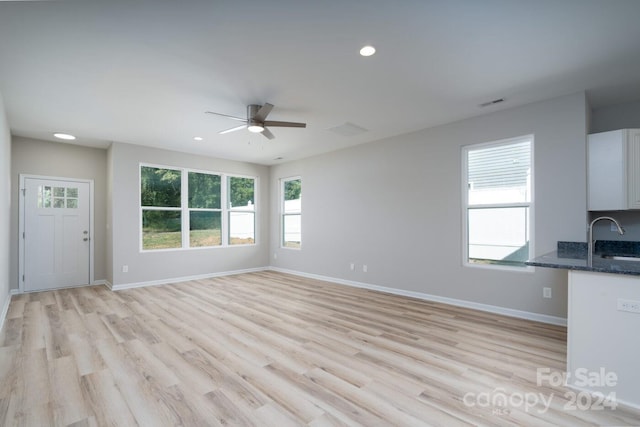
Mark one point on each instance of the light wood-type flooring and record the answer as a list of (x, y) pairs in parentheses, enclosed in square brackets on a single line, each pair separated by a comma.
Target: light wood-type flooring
[(275, 350)]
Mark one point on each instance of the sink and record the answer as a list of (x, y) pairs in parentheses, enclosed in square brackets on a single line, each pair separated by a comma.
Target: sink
[(621, 258)]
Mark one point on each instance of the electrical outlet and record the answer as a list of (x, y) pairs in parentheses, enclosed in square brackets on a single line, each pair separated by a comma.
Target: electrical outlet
[(364, 268), (352, 266), (275, 255), (125, 268), (546, 292), (628, 305)]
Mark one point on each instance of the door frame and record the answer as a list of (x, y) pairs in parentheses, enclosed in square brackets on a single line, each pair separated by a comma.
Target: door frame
[(21, 221)]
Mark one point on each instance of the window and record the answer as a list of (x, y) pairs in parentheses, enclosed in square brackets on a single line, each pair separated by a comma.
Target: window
[(242, 222), (291, 213), (205, 213), (175, 200), (160, 197), (498, 202)]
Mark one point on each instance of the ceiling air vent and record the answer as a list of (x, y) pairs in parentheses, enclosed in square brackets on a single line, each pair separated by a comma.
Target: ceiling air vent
[(348, 129), (495, 101)]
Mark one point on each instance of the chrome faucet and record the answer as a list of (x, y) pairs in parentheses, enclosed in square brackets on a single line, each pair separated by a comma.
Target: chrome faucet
[(590, 241)]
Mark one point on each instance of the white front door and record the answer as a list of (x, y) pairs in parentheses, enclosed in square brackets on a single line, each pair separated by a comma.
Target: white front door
[(56, 233)]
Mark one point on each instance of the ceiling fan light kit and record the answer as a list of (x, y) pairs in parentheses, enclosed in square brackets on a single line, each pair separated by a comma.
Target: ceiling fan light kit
[(256, 121)]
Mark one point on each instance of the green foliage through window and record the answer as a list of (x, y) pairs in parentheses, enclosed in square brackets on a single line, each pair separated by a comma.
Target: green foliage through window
[(292, 189), (164, 215), (160, 187), (241, 191), (204, 191)]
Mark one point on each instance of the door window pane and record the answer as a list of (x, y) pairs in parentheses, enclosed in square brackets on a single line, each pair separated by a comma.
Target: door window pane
[(161, 229), (44, 196), (204, 229)]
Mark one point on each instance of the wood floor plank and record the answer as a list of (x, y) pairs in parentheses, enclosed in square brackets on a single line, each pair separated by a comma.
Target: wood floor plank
[(271, 349), (105, 400)]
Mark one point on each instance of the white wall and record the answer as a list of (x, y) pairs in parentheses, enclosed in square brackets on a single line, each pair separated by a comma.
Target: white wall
[(5, 208), (418, 247), (35, 157), (153, 266)]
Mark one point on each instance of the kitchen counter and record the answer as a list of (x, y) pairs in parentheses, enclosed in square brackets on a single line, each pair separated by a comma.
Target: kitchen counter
[(598, 324), (573, 256), (600, 265)]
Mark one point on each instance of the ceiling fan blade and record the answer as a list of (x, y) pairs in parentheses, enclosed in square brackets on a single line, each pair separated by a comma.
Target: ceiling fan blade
[(266, 132), (232, 129), (263, 112), (227, 116), (285, 124)]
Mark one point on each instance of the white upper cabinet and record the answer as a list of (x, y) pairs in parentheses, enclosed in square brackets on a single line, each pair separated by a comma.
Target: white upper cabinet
[(614, 170)]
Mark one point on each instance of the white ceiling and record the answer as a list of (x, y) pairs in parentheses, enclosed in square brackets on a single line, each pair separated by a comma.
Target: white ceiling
[(144, 72)]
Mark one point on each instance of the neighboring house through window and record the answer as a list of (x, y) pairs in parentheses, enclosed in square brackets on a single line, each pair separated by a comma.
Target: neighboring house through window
[(498, 202)]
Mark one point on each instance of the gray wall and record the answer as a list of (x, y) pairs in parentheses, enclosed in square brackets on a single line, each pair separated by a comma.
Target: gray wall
[(395, 205), (162, 265), (37, 157), (620, 116), (5, 206)]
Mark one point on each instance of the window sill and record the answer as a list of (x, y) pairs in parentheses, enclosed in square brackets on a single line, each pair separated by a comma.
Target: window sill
[(507, 268)]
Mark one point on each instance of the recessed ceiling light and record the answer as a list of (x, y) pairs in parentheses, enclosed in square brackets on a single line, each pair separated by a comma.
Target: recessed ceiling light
[(278, 158), (367, 51), (197, 138), (64, 136)]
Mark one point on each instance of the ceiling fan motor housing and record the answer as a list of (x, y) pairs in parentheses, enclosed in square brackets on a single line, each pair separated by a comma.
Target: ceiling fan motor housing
[(252, 110)]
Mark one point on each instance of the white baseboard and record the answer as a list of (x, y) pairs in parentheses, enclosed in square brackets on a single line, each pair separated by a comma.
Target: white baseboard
[(180, 279), (544, 318), (5, 309), (104, 282), (633, 406)]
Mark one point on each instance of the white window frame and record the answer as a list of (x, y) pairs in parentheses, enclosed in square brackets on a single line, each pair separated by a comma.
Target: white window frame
[(186, 219), (185, 210), (231, 209), (283, 181), (465, 204)]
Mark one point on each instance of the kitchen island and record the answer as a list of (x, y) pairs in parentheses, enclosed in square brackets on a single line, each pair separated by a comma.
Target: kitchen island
[(603, 323)]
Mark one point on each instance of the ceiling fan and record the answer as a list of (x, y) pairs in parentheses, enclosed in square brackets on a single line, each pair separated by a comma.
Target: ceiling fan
[(256, 120)]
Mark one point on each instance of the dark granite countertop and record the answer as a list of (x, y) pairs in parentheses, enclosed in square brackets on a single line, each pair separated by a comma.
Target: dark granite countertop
[(573, 256)]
